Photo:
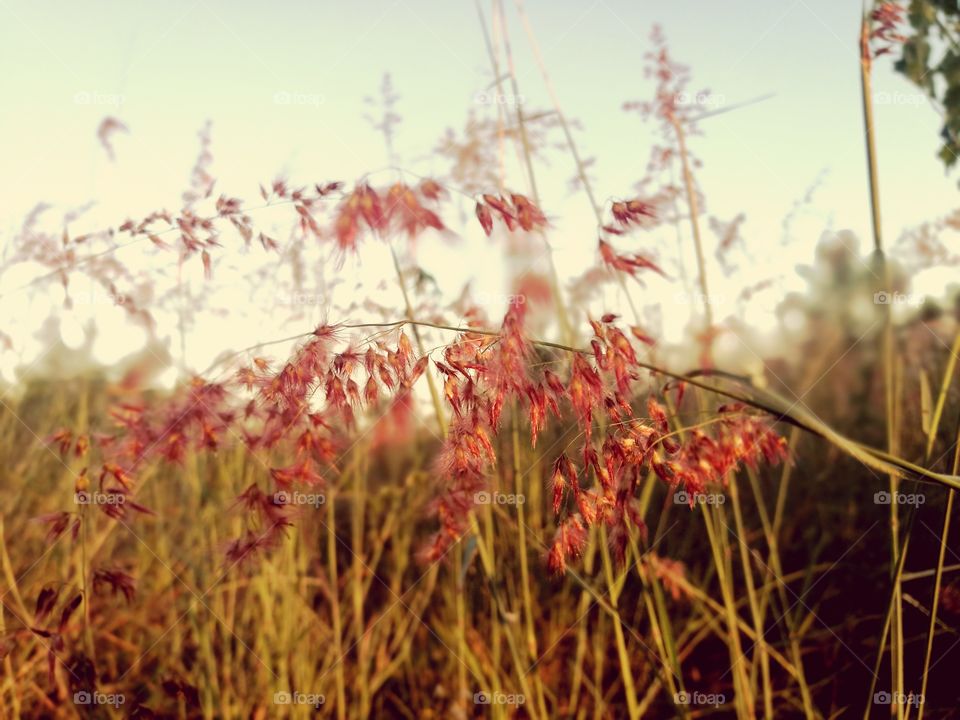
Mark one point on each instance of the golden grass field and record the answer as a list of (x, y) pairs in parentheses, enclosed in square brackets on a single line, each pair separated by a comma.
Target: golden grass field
[(425, 510)]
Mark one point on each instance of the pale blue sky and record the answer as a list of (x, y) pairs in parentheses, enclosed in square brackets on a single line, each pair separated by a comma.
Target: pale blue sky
[(177, 63)]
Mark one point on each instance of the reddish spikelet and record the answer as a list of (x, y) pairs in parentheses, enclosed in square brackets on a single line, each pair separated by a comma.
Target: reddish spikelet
[(569, 542), (46, 599), (298, 473), (364, 205), (467, 450), (658, 415), (485, 217), (291, 386), (345, 228), (642, 336), (632, 212), (587, 502), (564, 477), (506, 369), (703, 461), (585, 391), (618, 537), (117, 581), (404, 352), (613, 352), (503, 209), (518, 211), (634, 514), (371, 391), (541, 401), (528, 214), (629, 264), (269, 510), (64, 440), (251, 499), (57, 524), (67, 612), (887, 17), (431, 189), (370, 207), (117, 473), (670, 573), (418, 369), (109, 127), (404, 211), (244, 549)]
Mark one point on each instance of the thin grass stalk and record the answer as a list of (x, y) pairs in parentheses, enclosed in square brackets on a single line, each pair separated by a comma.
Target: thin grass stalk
[(743, 695), (712, 610), (693, 204), (626, 673), (942, 396), (771, 533), (82, 420), (524, 569), (743, 699), (495, 636), (583, 606), (945, 529), (659, 618), (460, 601), (935, 602), (493, 53), (888, 618), (599, 660), (335, 607), (696, 631), (14, 591), (755, 608), (461, 615), (486, 560), (666, 658), (356, 582), (866, 85)]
